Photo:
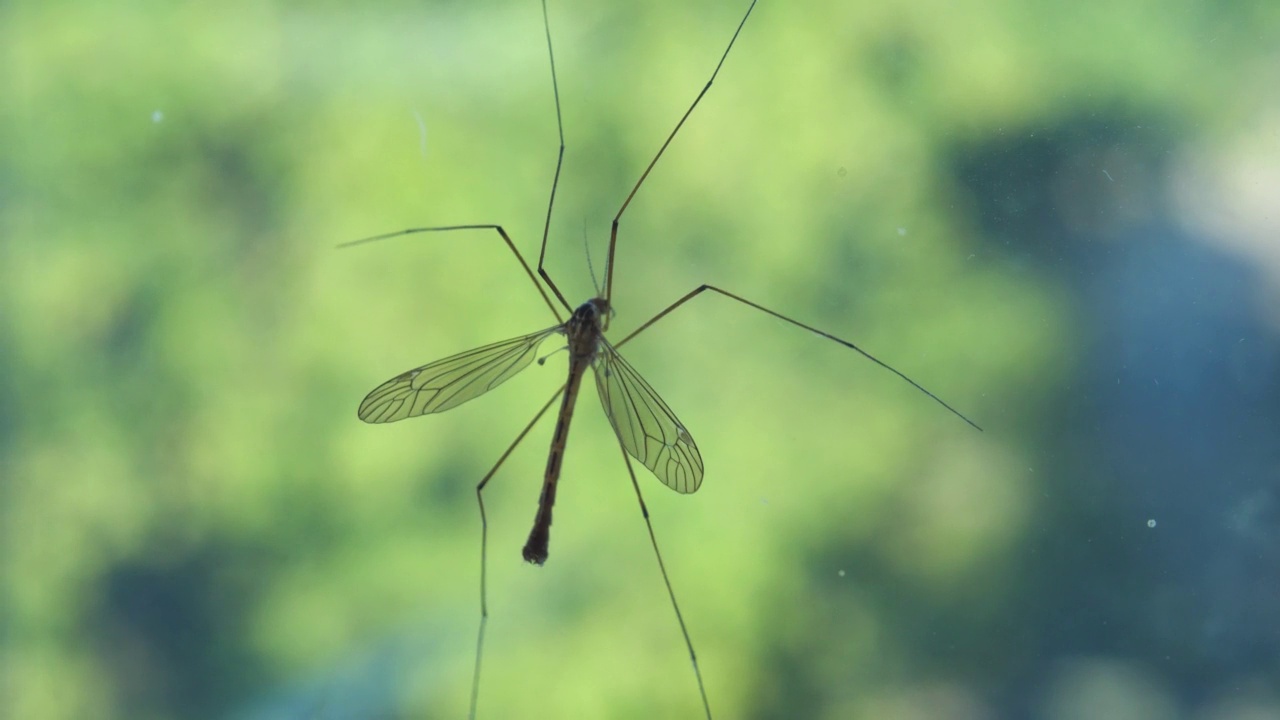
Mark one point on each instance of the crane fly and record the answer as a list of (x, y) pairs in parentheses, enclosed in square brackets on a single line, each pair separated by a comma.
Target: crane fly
[(646, 428)]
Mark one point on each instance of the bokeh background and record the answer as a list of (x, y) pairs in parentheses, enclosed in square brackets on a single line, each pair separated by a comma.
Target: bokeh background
[(1059, 216)]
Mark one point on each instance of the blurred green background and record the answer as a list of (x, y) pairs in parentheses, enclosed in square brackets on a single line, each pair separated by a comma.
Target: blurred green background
[(1059, 216)]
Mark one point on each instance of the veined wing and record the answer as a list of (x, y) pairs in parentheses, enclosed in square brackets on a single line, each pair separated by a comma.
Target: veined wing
[(448, 383), (648, 429)]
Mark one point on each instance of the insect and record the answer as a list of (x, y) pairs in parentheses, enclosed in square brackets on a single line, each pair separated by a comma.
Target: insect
[(646, 427)]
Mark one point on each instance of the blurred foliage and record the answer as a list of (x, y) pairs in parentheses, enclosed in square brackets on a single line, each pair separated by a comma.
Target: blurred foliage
[(195, 525)]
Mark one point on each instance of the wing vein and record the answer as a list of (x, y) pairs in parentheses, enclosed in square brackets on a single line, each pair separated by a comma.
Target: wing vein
[(447, 383), (646, 426)]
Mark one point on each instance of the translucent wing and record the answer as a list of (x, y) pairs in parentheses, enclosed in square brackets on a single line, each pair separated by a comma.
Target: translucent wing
[(648, 429), (448, 383)]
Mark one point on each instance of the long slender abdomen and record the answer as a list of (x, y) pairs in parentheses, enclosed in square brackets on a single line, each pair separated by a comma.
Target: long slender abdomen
[(535, 549)]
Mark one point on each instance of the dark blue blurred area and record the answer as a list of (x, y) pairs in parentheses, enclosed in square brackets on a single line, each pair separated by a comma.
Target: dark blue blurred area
[(1160, 542)]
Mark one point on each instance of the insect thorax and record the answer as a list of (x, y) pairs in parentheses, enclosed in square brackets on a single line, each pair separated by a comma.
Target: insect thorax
[(584, 329)]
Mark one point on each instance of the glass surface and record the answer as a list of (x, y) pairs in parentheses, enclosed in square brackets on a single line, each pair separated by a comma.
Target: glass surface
[(1061, 218)]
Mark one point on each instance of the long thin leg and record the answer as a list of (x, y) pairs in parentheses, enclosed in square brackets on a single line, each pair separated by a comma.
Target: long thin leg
[(613, 232), (671, 593), (703, 288), (484, 549), (555, 180), (447, 228)]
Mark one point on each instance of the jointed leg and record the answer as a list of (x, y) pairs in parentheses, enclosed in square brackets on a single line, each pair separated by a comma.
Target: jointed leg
[(613, 231), (447, 228), (703, 288), (555, 180), (653, 540), (484, 549)]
